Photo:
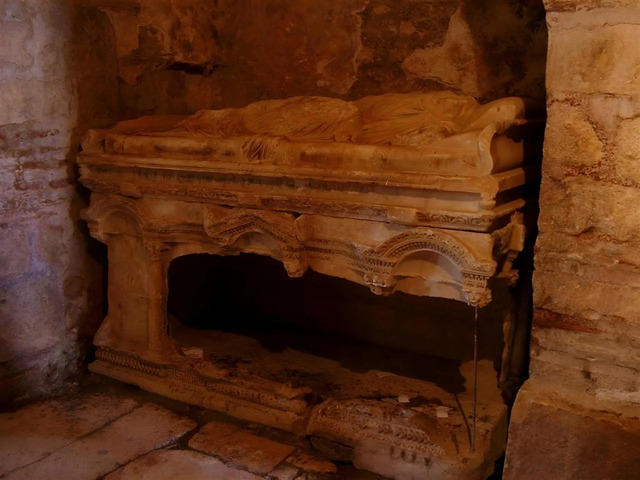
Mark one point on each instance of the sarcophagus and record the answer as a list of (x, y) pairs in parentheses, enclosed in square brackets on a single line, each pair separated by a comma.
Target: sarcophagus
[(418, 193)]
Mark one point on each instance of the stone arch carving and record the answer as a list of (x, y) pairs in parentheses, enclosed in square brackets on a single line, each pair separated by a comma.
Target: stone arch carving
[(475, 273), (98, 213), (277, 226), (419, 239)]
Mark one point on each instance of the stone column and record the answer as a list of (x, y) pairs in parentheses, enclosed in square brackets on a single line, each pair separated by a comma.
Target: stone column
[(157, 295)]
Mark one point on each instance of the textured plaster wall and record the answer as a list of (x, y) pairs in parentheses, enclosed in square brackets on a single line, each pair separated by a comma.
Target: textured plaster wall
[(577, 417), (180, 56), (50, 287)]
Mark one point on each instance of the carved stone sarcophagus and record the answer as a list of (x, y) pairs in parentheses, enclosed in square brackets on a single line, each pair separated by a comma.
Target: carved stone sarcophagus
[(418, 193)]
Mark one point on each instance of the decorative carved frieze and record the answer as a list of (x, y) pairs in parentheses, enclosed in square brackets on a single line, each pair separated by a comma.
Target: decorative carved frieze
[(381, 423)]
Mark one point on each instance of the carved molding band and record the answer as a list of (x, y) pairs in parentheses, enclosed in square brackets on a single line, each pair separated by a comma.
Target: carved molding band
[(224, 228)]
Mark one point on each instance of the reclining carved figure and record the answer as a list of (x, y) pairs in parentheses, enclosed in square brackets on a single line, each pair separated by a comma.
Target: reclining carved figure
[(435, 132), (393, 119)]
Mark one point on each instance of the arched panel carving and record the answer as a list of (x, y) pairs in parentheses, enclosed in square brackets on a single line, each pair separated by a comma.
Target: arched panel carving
[(419, 239), (104, 207), (280, 227), (475, 272)]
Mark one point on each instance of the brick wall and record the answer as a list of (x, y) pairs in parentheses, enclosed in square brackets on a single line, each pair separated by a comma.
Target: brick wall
[(50, 286)]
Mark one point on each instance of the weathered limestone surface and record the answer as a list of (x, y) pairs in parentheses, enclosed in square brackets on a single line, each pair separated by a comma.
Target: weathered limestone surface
[(177, 56), (586, 333), (552, 439), (172, 464), (587, 271), (233, 445), (311, 464), (146, 428), (50, 290), (81, 436), (33, 432)]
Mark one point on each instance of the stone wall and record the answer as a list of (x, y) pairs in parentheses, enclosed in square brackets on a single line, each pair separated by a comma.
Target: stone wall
[(585, 356), (179, 56), (50, 286)]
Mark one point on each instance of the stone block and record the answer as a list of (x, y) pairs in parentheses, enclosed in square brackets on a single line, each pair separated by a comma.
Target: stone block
[(213, 436), (627, 150), (582, 204), (257, 454), (570, 138), (550, 440), (606, 269), (607, 110), (595, 58), (597, 250), (596, 6), (587, 363), (33, 432), (582, 293), (587, 341), (309, 463), (146, 428), (284, 472), (178, 464)]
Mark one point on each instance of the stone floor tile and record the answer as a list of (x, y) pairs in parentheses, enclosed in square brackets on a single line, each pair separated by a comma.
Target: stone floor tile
[(284, 472), (257, 454), (309, 463), (33, 432), (213, 434), (144, 429), (213, 437), (177, 465), (316, 476)]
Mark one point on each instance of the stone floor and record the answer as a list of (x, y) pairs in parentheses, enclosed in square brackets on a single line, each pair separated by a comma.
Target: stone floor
[(110, 431)]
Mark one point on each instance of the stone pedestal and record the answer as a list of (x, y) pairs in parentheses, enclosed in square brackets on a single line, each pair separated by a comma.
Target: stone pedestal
[(415, 193)]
